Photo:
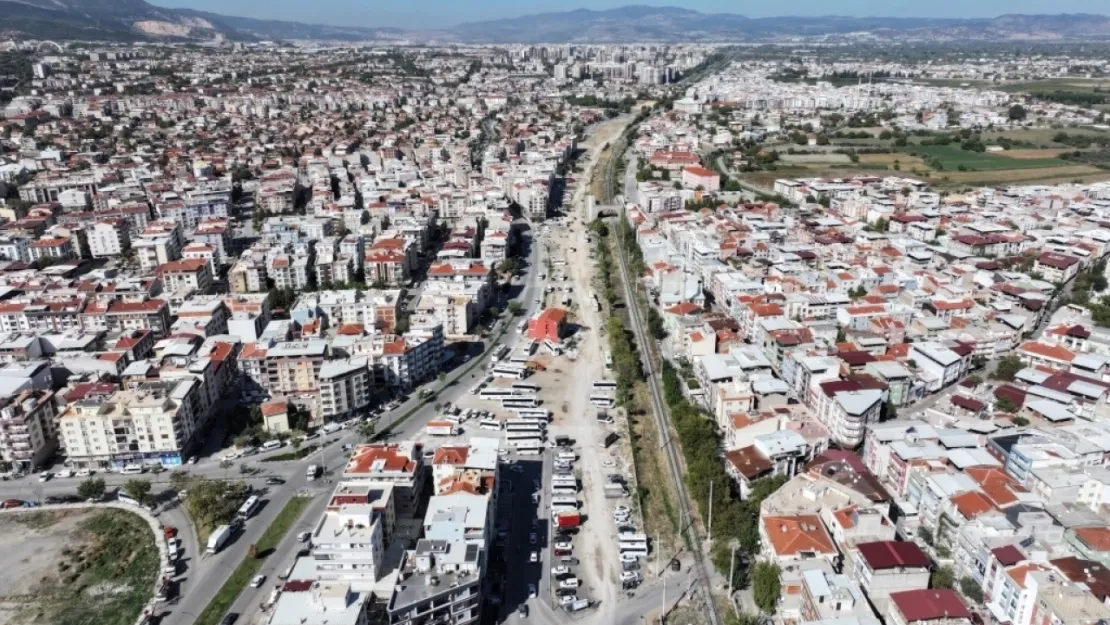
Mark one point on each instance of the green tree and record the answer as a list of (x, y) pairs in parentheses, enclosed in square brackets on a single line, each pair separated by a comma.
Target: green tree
[(1017, 113), (367, 430), (1005, 404), (139, 490), (214, 502), (942, 577), (91, 488), (925, 535), (1007, 368), (971, 589), (515, 308), (1021, 421), (179, 480), (766, 587)]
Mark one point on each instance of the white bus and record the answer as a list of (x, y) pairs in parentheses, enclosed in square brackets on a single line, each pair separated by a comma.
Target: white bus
[(529, 414), (639, 550), (517, 359), (525, 388), (528, 440), (519, 402), (513, 373), (557, 510), (248, 508), (522, 327), (631, 537), (496, 393), (565, 501), (568, 491), (602, 401), (529, 449), (564, 480), (520, 425), (500, 352), (490, 424), (552, 347), (530, 348), (605, 385)]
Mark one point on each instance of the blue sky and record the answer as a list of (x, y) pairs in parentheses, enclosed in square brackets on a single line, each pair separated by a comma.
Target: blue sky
[(443, 13)]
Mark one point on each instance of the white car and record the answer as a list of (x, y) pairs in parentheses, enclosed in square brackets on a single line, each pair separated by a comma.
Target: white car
[(560, 570), (628, 557), (258, 581), (569, 583), (628, 576), (64, 474), (44, 476), (567, 599), (531, 591), (534, 556), (622, 510), (564, 545), (84, 473)]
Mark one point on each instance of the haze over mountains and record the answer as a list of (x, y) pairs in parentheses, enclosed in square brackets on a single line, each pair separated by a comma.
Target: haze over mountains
[(127, 20)]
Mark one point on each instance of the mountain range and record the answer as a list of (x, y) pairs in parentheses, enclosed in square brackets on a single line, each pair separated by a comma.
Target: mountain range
[(137, 20)]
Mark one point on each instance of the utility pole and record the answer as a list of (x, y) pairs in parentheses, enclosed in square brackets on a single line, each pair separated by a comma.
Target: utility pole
[(732, 576)]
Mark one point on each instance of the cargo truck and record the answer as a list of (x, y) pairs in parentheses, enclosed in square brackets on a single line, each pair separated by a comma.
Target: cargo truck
[(218, 539), (441, 428), (567, 520)]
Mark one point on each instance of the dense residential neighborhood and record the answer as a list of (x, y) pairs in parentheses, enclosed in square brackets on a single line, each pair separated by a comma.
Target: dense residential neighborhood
[(456, 334)]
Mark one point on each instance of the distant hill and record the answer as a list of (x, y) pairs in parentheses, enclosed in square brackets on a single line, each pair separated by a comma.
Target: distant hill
[(671, 24), (131, 20)]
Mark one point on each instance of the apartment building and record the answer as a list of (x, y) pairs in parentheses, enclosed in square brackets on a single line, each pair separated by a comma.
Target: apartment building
[(441, 579), (846, 408), (886, 567), (345, 388), (350, 538), (108, 238), (27, 429), (398, 464), (154, 422), (190, 274)]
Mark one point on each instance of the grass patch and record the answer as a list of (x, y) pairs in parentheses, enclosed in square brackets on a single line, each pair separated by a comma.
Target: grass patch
[(952, 158), (248, 568), (107, 579), (654, 487), (299, 454), (40, 519)]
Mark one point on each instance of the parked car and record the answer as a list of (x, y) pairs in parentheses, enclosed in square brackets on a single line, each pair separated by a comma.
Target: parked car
[(258, 581), (531, 591), (534, 557)]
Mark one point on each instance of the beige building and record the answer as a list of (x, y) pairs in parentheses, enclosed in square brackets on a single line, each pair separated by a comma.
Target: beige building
[(27, 437), (155, 422)]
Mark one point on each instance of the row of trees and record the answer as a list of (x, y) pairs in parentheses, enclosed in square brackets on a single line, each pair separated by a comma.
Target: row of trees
[(735, 521)]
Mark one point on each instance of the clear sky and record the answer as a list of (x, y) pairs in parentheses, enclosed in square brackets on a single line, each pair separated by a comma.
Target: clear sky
[(444, 13)]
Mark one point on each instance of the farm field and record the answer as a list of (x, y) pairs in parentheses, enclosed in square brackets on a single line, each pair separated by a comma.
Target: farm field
[(952, 157)]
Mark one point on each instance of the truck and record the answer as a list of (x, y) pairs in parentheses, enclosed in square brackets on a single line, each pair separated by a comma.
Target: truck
[(218, 538), (568, 519), (580, 604), (614, 490), (441, 428)]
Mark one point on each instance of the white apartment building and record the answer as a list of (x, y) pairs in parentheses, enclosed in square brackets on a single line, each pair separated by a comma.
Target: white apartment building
[(108, 238), (155, 422), (939, 365), (27, 436)]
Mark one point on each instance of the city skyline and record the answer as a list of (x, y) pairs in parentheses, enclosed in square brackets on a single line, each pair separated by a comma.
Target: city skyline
[(435, 14)]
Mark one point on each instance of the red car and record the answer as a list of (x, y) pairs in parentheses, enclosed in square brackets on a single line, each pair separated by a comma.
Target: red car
[(12, 503)]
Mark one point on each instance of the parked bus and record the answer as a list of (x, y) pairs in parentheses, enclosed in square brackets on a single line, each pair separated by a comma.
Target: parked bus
[(602, 401), (639, 550), (529, 414), (557, 510), (519, 425), (517, 359), (519, 402), (605, 385), (490, 424), (500, 352), (564, 490), (527, 389), (525, 440), (530, 349), (529, 449), (565, 501), (513, 373), (248, 508), (564, 480), (522, 327), (553, 347), (496, 393)]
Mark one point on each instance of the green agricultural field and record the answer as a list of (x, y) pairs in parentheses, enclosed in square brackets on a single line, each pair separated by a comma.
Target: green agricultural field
[(952, 157)]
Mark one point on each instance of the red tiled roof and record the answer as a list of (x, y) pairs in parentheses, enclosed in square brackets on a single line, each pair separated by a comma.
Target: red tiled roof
[(929, 605), (890, 554)]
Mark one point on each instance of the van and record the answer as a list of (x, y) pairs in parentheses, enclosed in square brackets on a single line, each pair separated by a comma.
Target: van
[(312, 472), (566, 456), (271, 445), (132, 469)]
